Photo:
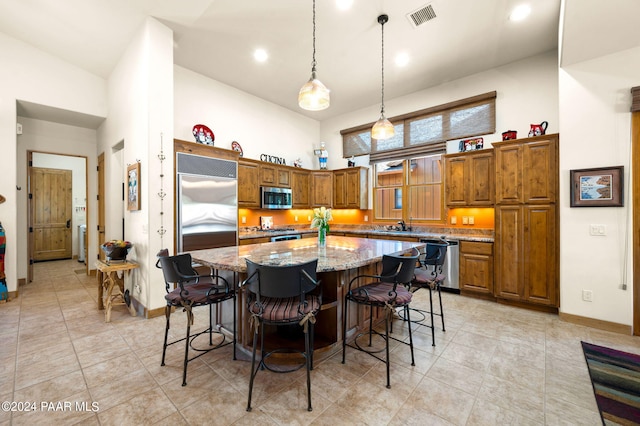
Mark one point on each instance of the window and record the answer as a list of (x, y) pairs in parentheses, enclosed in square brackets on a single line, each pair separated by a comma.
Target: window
[(420, 178), (388, 185), (425, 131), (408, 167)]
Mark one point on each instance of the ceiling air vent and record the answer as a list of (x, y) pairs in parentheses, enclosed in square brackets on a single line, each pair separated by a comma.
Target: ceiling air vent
[(422, 15)]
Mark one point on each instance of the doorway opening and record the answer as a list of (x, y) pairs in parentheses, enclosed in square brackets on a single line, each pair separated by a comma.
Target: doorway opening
[(56, 208)]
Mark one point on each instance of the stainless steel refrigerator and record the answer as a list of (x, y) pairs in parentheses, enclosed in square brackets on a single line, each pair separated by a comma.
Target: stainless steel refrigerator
[(206, 202)]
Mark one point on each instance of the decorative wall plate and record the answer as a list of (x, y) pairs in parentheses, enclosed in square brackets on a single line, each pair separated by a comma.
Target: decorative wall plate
[(236, 147), (203, 134)]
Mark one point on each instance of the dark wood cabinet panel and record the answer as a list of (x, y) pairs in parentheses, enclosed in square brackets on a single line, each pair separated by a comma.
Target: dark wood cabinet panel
[(469, 179), (527, 170), (300, 180), (350, 188), (271, 175), (476, 267), (455, 181), (527, 222), (509, 255), (508, 173), (540, 252), (248, 185), (321, 189), (540, 170)]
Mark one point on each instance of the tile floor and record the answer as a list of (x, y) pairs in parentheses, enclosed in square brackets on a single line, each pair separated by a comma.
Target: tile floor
[(494, 365)]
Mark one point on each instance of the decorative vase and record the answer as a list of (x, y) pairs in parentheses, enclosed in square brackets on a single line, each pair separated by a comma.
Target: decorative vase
[(322, 236)]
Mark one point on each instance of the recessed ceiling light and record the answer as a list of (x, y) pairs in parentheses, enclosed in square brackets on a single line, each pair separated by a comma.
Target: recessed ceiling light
[(402, 59), (260, 55), (520, 13), (344, 4)]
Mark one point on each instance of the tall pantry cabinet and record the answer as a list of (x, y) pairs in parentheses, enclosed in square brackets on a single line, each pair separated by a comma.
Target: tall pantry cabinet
[(527, 220)]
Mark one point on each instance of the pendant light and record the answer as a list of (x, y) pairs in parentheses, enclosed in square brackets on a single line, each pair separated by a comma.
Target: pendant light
[(383, 129), (314, 96)]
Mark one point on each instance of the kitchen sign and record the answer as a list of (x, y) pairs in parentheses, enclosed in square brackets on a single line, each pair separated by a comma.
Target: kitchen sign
[(273, 159)]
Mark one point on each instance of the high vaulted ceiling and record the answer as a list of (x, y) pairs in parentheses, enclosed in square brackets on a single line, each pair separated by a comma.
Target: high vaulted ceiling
[(217, 38)]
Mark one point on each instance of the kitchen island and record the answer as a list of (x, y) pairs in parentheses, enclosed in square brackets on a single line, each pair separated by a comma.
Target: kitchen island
[(342, 259)]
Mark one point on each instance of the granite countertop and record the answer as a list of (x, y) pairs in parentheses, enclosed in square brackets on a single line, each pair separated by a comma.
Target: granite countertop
[(479, 235), (340, 253)]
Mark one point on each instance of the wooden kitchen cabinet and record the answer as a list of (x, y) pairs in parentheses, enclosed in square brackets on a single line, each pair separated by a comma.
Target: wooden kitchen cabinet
[(469, 179), (476, 267), (275, 176), (350, 188), (527, 254), (321, 189), (248, 184), (300, 192), (526, 263), (527, 170)]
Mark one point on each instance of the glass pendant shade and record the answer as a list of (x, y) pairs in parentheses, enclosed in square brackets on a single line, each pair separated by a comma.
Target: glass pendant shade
[(313, 96), (383, 129)]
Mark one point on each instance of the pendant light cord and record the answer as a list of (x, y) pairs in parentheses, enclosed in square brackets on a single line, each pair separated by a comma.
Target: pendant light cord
[(382, 86), (313, 62)]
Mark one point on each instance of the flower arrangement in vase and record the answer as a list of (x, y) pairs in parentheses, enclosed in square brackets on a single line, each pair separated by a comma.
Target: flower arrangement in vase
[(321, 218)]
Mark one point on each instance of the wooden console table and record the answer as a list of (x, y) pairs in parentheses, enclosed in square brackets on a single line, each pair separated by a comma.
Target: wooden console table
[(111, 286)]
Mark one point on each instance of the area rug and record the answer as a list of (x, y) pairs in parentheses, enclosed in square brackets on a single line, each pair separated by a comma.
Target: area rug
[(615, 376)]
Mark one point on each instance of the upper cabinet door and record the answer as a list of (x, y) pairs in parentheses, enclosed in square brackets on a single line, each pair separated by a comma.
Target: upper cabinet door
[(540, 171), (455, 180), (508, 173), (470, 179), (527, 170)]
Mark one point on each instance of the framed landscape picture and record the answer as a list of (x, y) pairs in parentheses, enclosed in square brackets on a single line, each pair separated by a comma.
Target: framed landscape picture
[(133, 186), (600, 187)]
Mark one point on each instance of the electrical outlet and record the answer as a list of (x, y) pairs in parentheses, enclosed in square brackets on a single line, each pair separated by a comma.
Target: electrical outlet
[(472, 220), (587, 295), (366, 218), (244, 219), (295, 218), (454, 220), (598, 230), (465, 220), (309, 218)]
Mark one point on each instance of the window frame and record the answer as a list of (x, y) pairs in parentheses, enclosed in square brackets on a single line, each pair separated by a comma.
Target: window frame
[(405, 189), (357, 141)]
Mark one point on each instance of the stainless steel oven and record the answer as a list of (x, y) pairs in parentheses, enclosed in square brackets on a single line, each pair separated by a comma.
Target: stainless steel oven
[(285, 237), (275, 198)]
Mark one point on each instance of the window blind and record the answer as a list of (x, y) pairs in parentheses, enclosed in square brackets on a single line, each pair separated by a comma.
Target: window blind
[(417, 131)]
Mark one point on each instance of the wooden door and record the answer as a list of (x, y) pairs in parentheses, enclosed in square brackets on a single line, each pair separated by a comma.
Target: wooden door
[(51, 213), (455, 180), (321, 189), (540, 253), (508, 252), (300, 189), (508, 173), (481, 179), (340, 189), (476, 266), (248, 187), (357, 197), (540, 170), (101, 208)]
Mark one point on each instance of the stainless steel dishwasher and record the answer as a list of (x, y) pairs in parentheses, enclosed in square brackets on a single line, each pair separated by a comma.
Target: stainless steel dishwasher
[(451, 266)]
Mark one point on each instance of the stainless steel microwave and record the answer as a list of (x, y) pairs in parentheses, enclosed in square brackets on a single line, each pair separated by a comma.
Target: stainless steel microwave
[(275, 198)]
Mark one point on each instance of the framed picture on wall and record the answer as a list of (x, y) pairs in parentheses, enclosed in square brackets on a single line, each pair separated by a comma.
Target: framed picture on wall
[(600, 187), (133, 186)]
